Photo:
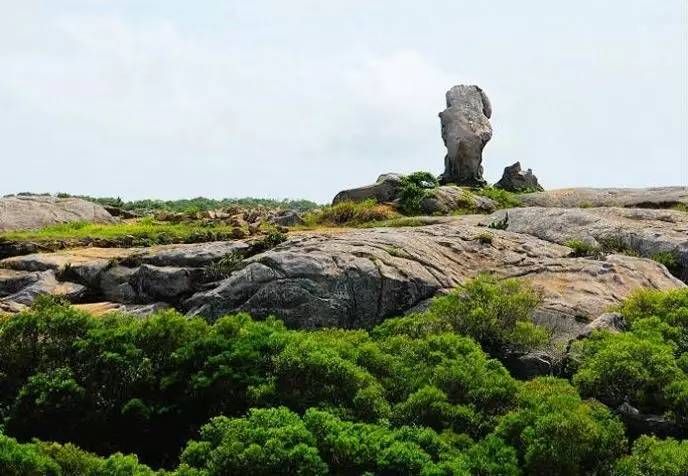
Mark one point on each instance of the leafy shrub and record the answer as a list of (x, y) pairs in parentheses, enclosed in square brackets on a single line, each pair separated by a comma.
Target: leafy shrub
[(485, 238), (654, 457), (414, 188), (502, 198), (556, 433), (489, 310), (645, 366), (669, 259), (582, 248), (350, 213)]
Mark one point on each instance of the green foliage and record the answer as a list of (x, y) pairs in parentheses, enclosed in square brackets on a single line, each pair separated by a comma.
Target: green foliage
[(645, 366), (485, 238), (415, 395), (414, 188), (490, 310), (198, 204), (668, 259), (349, 213), (556, 433), (582, 248), (502, 198), (267, 442), (654, 457), (143, 232)]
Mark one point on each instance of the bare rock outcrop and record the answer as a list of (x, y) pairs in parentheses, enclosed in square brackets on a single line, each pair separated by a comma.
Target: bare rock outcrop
[(660, 234), (652, 197), (514, 179), (465, 130), (23, 212), (385, 189), (358, 278)]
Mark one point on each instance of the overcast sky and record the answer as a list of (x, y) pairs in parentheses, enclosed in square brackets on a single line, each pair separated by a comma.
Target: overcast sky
[(301, 98)]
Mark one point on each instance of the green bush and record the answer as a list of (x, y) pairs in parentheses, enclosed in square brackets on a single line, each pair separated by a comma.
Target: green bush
[(350, 213), (654, 457), (668, 259), (414, 188), (583, 248), (502, 198), (556, 433)]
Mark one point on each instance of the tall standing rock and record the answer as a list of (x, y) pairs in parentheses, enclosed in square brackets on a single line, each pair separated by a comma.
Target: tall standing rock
[(465, 130)]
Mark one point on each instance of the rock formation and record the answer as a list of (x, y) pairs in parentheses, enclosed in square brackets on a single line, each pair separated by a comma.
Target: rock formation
[(22, 212), (516, 180), (385, 189), (652, 197), (647, 233), (465, 130)]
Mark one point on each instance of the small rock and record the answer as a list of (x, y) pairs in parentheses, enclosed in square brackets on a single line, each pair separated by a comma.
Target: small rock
[(385, 189), (288, 218), (516, 180)]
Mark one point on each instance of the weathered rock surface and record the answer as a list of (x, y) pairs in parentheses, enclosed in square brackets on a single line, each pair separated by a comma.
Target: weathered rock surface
[(653, 197), (448, 198), (514, 179), (127, 276), (465, 130), (287, 218), (646, 232), (20, 288), (385, 189), (358, 278), (23, 212), (100, 308)]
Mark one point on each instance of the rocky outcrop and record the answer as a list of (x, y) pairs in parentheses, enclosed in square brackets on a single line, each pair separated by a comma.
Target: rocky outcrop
[(646, 232), (653, 197), (23, 212), (514, 179), (358, 278), (385, 189), (465, 130), (166, 273)]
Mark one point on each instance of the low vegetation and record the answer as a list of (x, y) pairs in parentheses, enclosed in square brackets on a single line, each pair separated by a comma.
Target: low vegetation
[(414, 188), (421, 394), (502, 198), (199, 204), (350, 213), (143, 232)]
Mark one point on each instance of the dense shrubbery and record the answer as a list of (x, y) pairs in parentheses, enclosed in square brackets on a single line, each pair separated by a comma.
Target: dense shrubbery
[(646, 366), (416, 395)]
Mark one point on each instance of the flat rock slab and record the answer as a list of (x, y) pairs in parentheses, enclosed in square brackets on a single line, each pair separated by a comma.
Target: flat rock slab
[(654, 197), (358, 278), (102, 308), (24, 212), (644, 231)]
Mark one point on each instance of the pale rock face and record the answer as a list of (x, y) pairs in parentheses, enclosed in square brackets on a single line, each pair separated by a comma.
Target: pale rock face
[(465, 130), (23, 212), (646, 232), (515, 179)]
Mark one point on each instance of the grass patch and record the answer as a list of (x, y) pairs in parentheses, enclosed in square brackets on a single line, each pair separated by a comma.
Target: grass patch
[(581, 248), (144, 232), (681, 207), (485, 238), (350, 213), (502, 198)]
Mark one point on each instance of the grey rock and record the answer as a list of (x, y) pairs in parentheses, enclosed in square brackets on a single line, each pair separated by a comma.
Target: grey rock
[(527, 365), (514, 179), (610, 321), (24, 212), (358, 278), (46, 283), (639, 423), (644, 231), (288, 218), (653, 197), (115, 285), (465, 130), (195, 255), (448, 198), (385, 189)]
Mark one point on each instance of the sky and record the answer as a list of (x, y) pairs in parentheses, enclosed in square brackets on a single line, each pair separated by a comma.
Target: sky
[(302, 98)]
